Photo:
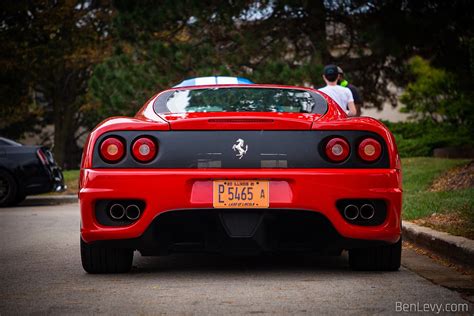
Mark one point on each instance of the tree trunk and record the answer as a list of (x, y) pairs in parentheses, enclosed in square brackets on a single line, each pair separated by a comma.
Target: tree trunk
[(317, 24), (65, 125), (61, 129)]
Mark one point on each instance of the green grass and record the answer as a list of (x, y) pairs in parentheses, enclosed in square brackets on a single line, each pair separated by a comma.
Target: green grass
[(418, 175), (422, 204), (420, 172), (71, 177), (454, 209)]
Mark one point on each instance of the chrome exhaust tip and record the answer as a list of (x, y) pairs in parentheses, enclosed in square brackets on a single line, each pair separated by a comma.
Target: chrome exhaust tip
[(117, 211), (367, 211), (132, 212), (351, 212)]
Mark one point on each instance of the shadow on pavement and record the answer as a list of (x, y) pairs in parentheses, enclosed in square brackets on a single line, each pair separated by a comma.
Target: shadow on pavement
[(47, 199), (222, 263)]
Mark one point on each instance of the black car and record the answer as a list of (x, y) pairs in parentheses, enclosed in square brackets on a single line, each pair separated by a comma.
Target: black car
[(26, 170)]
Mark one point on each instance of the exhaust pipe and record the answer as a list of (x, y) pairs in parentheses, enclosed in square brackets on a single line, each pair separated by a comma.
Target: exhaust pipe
[(351, 212), (367, 211), (132, 212), (117, 211)]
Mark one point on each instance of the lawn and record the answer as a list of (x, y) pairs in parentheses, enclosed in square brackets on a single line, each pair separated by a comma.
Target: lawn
[(451, 211), (71, 177), (418, 174)]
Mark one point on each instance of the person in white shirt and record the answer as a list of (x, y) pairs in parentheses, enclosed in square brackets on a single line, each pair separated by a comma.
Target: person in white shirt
[(342, 95)]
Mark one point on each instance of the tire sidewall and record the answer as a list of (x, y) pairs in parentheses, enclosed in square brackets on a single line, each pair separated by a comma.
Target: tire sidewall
[(11, 195)]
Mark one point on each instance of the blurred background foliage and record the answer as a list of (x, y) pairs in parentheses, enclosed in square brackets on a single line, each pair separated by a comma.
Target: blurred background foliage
[(71, 63), (420, 138), (437, 95)]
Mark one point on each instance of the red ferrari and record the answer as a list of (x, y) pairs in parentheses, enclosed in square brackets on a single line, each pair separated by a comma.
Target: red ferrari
[(240, 169)]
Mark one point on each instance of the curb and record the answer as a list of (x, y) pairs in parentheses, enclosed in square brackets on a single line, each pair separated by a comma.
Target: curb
[(49, 200), (458, 248)]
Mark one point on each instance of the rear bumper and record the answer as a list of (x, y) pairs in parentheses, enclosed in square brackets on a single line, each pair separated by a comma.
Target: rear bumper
[(314, 190), (49, 179)]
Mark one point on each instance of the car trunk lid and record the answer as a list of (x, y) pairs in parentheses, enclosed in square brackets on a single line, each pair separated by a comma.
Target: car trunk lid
[(240, 120)]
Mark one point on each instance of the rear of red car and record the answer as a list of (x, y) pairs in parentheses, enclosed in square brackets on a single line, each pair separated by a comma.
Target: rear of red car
[(239, 169)]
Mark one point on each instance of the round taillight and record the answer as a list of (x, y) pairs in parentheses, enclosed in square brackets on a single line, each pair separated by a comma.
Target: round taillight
[(112, 149), (337, 149), (144, 149), (370, 149)]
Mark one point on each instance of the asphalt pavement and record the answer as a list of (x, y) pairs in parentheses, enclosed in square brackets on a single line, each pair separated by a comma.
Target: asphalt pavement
[(41, 273)]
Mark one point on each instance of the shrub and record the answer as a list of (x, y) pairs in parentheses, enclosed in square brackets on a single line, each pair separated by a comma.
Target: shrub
[(418, 139)]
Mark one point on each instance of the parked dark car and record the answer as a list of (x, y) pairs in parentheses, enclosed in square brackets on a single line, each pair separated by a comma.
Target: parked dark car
[(26, 170)]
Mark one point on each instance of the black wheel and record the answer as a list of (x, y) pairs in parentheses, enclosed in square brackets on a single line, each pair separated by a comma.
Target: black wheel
[(8, 189), (381, 258), (20, 197), (96, 259)]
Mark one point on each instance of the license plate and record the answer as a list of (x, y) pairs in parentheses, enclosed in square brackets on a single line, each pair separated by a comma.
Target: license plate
[(241, 194)]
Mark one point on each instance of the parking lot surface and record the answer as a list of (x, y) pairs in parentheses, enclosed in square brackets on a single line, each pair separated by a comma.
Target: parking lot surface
[(41, 273)]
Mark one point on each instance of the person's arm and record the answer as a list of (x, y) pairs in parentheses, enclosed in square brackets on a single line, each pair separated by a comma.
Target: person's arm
[(357, 98), (352, 109), (350, 103)]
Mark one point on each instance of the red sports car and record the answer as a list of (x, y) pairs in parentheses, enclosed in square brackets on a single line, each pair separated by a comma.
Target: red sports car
[(240, 169)]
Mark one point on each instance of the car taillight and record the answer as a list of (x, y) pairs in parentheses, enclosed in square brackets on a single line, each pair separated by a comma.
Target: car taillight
[(337, 149), (369, 149), (112, 149), (144, 149), (42, 157)]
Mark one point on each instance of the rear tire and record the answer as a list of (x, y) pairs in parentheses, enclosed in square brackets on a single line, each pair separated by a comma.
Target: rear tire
[(97, 259), (20, 197), (380, 258), (8, 189)]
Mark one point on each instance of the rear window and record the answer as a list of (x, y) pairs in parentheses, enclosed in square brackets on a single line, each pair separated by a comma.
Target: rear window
[(240, 100)]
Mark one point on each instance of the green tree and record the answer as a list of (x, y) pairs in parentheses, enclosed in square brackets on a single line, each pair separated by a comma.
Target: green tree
[(48, 48), (159, 46), (281, 42), (436, 94)]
